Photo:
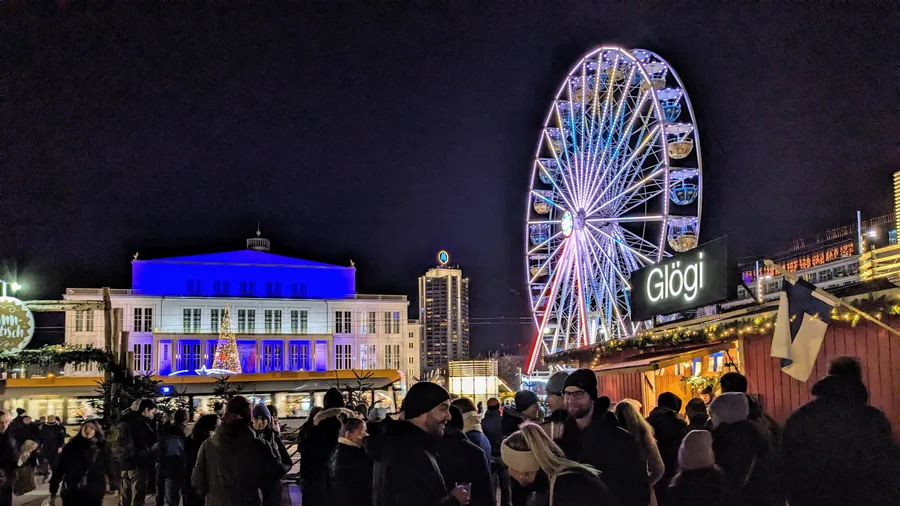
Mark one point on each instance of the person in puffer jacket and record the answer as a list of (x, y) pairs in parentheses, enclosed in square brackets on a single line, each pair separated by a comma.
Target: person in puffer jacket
[(262, 425), (349, 481)]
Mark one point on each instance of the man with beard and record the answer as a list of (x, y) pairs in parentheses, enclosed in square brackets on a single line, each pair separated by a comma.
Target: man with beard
[(406, 471), (590, 438)]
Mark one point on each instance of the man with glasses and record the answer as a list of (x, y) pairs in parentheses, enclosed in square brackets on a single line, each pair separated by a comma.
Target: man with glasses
[(589, 439)]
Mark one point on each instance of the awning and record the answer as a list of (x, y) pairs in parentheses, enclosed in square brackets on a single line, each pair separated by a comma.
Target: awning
[(323, 385), (642, 363)]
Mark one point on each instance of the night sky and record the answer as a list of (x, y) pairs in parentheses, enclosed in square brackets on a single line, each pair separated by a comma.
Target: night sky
[(382, 132)]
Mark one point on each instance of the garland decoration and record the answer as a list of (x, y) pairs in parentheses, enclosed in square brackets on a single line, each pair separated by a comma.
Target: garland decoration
[(58, 354), (651, 339)]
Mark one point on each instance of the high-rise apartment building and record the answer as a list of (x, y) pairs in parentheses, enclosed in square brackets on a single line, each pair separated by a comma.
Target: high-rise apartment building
[(444, 313)]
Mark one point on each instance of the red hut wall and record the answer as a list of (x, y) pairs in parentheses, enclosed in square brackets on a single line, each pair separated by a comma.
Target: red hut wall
[(620, 386), (878, 351)]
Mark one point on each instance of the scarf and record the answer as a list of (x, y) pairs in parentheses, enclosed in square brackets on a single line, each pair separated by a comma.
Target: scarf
[(345, 441), (472, 421)]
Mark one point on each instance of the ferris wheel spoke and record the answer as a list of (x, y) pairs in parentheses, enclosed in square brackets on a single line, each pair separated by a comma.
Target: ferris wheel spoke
[(627, 236), (637, 185), (609, 296), (627, 219), (546, 264), (541, 245), (639, 254), (632, 188)]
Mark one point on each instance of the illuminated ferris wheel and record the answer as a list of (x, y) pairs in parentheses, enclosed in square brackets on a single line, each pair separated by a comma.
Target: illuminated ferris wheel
[(616, 185)]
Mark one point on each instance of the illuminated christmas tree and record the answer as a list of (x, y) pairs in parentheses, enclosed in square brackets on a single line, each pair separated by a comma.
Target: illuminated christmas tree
[(227, 356)]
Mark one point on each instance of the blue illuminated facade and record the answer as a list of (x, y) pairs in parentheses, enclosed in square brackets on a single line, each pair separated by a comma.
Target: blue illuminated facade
[(243, 273)]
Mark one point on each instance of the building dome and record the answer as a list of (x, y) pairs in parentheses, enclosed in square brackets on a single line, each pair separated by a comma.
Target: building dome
[(258, 243)]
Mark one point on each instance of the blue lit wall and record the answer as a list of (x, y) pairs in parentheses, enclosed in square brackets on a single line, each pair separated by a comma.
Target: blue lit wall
[(202, 275)]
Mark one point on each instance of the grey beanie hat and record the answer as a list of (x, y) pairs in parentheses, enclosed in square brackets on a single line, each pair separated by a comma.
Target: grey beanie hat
[(557, 383)]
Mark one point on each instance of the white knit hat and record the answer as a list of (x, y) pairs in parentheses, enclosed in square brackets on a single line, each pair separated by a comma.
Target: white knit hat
[(729, 407), (696, 451)]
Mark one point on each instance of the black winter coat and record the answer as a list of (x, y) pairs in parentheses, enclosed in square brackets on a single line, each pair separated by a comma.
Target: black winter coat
[(575, 488), (461, 463), (135, 439), (839, 450), (272, 490), (706, 487), (9, 458), (668, 430), (169, 451), (611, 450), (742, 451), (320, 438), (191, 450), (53, 437), (79, 459), (233, 466), (406, 471), (349, 480), (28, 432), (511, 421), (492, 425)]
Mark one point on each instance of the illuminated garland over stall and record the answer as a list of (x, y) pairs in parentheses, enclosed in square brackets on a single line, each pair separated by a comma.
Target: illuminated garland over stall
[(753, 325), (59, 354)]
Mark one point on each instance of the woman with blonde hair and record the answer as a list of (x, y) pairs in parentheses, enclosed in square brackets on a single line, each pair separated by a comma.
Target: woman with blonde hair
[(642, 432), (539, 465)]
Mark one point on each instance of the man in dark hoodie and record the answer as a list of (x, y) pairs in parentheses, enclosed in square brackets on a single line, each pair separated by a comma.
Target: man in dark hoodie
[(669, 430), (838, 449), (406, 471), (233, 465), (460, 463), (320, 438), (592, 438)]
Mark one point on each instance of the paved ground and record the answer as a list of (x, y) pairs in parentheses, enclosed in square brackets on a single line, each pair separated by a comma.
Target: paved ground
[(37, 497)]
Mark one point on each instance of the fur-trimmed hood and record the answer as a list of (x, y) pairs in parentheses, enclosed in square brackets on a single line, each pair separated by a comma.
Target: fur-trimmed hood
[(333, 413)]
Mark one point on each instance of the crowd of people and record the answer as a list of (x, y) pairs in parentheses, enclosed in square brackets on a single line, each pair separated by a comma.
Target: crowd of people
[(836, 450)]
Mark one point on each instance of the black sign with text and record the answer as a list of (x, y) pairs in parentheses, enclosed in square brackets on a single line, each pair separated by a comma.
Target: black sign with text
[(688, 280)]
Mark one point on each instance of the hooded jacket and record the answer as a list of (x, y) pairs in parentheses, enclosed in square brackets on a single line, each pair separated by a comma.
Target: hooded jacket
[(318, 443), (349, 480), (406, 472), (233, 466), (611, 450), (839, 450), (82, 461), (462, 461)]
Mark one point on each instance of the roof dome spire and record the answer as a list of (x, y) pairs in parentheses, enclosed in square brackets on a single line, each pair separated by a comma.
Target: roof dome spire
[(258, 243)]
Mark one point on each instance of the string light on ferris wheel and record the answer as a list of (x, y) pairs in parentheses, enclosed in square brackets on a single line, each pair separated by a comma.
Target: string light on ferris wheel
[(616, 185)]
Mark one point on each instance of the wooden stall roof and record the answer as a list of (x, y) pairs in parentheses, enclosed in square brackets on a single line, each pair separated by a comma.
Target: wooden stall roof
[(642, 363)]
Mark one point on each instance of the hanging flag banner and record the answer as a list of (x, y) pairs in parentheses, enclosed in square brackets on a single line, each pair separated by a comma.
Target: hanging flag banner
[(16, 325), (800, 328), (688, 280)]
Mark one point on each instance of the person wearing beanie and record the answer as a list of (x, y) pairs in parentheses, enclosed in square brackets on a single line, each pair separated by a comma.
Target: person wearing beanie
[(319, 440), (233, 465), (262, 426), (698, 480), (589, 438), (554, 423), (742, 451), (406, 470), (839, 449), (668, 429), (525, 408)]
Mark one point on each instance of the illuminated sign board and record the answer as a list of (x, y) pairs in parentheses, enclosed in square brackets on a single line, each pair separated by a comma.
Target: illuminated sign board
[(443, 257), (688, 280), (16, 324)]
